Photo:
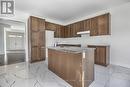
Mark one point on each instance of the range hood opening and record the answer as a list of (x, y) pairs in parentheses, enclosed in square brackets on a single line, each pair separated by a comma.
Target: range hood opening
[(83, 32)]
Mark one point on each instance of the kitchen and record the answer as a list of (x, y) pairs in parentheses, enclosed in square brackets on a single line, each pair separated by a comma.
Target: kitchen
[(84, 51)]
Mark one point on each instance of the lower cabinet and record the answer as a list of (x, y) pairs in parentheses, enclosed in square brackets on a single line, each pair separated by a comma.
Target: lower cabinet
[(38, 54), (101, 54)]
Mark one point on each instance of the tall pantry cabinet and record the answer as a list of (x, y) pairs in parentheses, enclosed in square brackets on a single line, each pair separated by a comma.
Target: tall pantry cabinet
[(36, 33)]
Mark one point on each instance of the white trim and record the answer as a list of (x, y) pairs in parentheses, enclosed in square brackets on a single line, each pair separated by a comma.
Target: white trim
[(84, 32), (26, 42), (5, 57)]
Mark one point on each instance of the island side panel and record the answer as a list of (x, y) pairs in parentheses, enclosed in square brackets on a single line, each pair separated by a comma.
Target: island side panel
[(66, 65), (88, 67)]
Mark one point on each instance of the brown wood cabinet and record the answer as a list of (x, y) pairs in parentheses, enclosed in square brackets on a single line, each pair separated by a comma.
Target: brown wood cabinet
[(94, 27), (104, 24), (58, 29), (101, 54), (87, 25), (98, 25), (77, 71), (36, 39), (73, 29), (50, 26)]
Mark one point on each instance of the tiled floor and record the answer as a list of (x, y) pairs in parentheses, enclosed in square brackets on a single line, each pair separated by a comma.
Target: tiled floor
[(37, 75), (12, 58), (29, 75), (15, 58), (111, 76)]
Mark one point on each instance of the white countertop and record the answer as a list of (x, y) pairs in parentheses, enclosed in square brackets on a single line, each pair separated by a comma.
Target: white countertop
[(71, 49), (99, 44)]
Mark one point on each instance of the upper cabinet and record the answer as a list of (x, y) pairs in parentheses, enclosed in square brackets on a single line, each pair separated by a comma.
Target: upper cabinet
[(41, 24), (104, 24), (87, 25), (97, 26), (34, 23), (58, 29), (94, 26), (73, 29), (50, 26), (37, 24), (100, 25)]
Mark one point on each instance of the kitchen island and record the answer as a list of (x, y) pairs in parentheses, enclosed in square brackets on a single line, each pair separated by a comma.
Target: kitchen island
[(73, 64)]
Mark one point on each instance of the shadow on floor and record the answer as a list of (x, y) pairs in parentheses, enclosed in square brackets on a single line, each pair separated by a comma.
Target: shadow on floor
[(13, 58)]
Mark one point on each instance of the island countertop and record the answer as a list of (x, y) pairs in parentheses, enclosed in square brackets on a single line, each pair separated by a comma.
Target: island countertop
[(73, 64), (71, 49)]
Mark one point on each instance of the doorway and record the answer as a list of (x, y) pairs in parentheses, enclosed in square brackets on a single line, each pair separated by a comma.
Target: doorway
[(12, 42)]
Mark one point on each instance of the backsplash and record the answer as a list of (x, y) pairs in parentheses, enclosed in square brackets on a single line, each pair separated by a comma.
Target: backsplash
[(85, 39)]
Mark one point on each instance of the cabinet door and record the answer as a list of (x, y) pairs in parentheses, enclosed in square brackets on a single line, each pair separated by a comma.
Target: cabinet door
[(41, 24), (74, 30), (77, 28), (35, 39), (42, 53), (58, 31), (37, 36), (50, 26), (50, 60), (71, 31), (68, 31), (94, 27), (65, 32), (34, 24), (81, 25), (101, 55), (103, 25), (87, 25), (34, 54), (41, 39), (62, 32)]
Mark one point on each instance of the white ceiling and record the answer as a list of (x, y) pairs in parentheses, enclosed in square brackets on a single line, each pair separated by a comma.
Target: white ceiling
[(12, 22), (65, 10), (17, 25)]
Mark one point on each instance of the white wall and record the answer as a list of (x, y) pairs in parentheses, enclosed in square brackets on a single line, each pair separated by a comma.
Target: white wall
[(120, 49), (1, 39), (119, 40), (49, 42), (2, 26), (23, 17)]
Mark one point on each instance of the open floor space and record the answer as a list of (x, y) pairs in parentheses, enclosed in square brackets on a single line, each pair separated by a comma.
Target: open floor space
[(38, 75)]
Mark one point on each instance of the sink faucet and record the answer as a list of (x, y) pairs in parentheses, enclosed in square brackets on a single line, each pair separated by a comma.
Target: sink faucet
[(55, 44)]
